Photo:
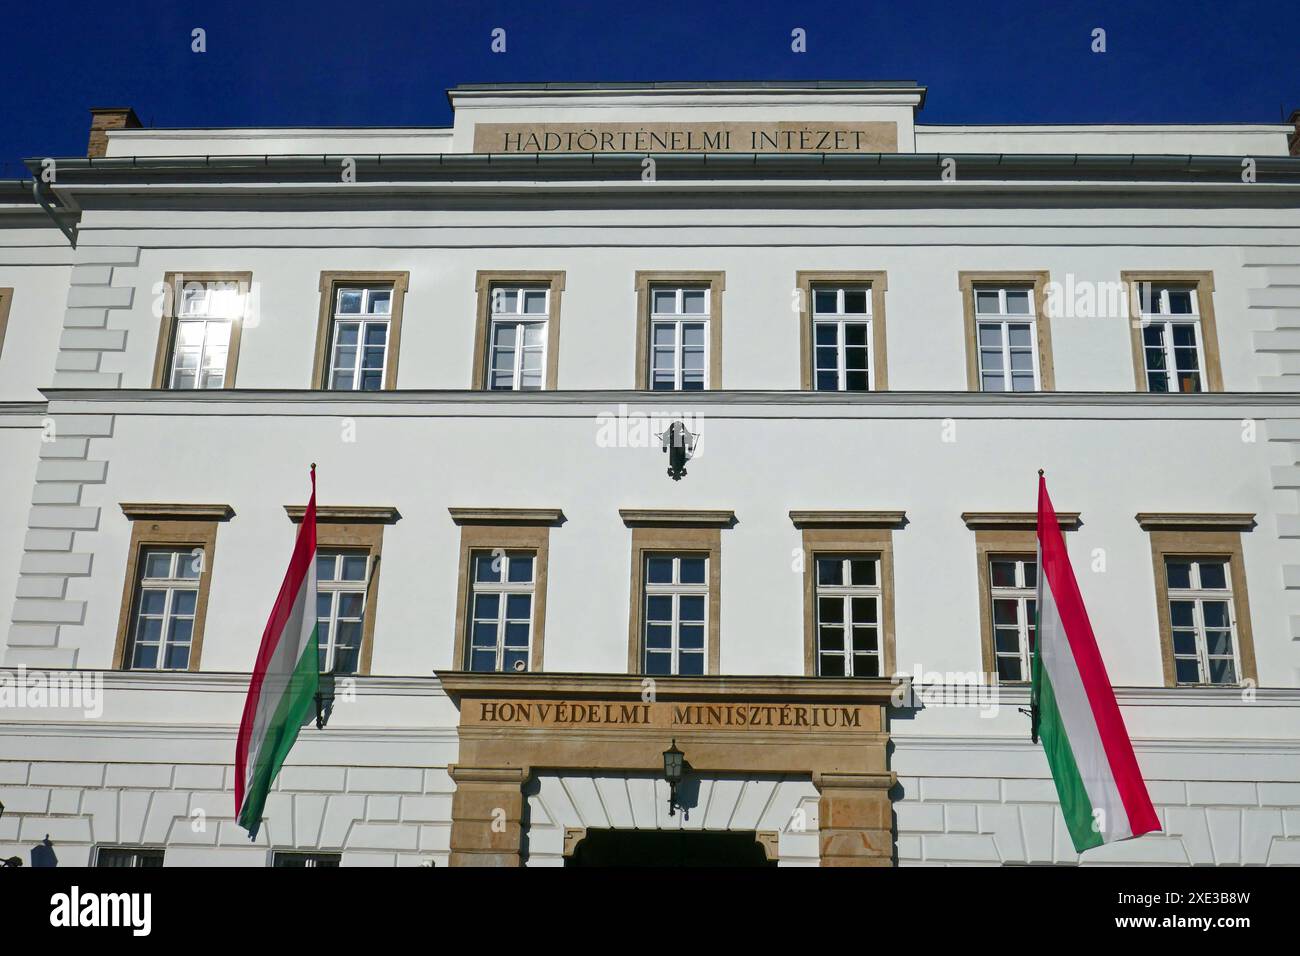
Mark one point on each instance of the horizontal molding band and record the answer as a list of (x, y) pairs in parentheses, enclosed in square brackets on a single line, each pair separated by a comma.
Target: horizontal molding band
[(612, 401)]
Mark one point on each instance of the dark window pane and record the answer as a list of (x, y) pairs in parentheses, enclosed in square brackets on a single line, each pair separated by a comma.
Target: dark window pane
[(1187, 672), (862, 571), (659, 570), (1214, 574), (832, 665), (1178, 574), (830, 571), (692, 570), (831, 610), (832, 638)]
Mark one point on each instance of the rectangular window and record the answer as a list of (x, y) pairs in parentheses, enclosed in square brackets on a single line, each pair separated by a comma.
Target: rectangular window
[(162, 632), (129, 856), (286, 858), (501, 610), (359, 341), (848, 616), (1006, 338), (679, 337), (1173, 353), (1013, 598), (342, 579), (1203, 628), (518, 337), (676, 592), (204, 324), (842, 336)]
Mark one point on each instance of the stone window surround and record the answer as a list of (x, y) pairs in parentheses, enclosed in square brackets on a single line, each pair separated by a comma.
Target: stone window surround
[(717, 284), (354, 528), (484, 280), (1203, 282), (878, 281), (523, 529), (172, 282), (1038, 279), (6, 301), (848, 532), (330, 281), (169, 525), (693, 532), (1201, 536), (1003, 533)]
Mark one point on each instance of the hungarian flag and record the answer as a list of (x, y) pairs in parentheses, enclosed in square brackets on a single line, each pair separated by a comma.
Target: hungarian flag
[(281, 694), (1103, 796)]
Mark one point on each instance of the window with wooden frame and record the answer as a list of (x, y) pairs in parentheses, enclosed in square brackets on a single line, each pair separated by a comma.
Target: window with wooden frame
[(842, 331), (1202, 604), (675, 616), (1174, 335), (849, 604), (349, 553), (501, 587), (1006, 556), (679, 330), (1008, 331), (517, 330), (359, 330), (676, 590), (203, 320), (501, 603), (168, 580), (848, 572)]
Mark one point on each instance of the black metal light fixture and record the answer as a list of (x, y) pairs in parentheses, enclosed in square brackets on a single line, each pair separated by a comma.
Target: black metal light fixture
[(680, 444), (674, 770), (324, 698)]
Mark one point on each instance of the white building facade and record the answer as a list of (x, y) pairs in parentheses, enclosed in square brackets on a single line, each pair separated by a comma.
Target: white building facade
[(876, 333)]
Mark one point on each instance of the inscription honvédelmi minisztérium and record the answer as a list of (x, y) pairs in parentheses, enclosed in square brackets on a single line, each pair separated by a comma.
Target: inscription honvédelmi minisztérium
[(726, 137), (664, 715)]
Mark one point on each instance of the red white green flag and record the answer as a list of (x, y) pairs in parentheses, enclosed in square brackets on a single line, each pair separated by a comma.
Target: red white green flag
[(282, 691), (1103, 796)]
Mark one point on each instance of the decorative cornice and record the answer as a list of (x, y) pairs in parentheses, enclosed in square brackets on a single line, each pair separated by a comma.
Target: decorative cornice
[(848, 519), (1172, 521), (347, 514), (1015, 520), (467, 684), (552, 516), (696, 518), (140, 511)]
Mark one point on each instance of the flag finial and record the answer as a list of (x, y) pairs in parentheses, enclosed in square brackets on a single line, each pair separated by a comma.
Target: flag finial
[(1040, 471)]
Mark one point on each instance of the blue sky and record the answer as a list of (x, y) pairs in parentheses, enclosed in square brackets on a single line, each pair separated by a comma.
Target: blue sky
[(384, 62)]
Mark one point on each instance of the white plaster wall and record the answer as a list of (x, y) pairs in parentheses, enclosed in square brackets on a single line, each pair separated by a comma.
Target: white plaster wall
[(35, 261)]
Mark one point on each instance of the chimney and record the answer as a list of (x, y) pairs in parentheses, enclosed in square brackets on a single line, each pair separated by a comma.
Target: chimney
[(104, 118), (1294, 138)]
